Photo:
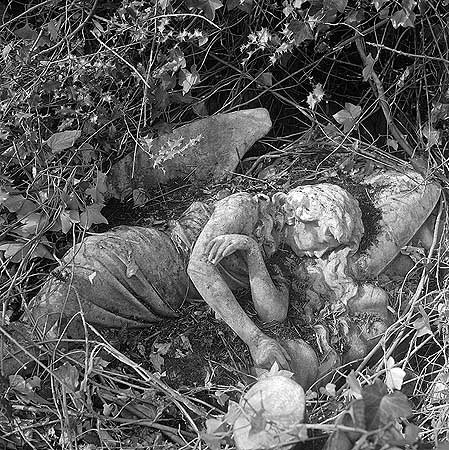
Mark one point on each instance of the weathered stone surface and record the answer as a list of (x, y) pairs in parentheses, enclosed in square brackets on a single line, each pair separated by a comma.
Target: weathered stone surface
[(406, 201), (280, 403), (203, 150)]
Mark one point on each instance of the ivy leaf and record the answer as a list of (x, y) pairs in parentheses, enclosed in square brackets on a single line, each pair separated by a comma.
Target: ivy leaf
[(372, 396), (355, 390), (301, 31), (405, 17), (378, 4), (207, 6), (348, 116), (32, 224), (52, 30), (63, 140), (355, 17), (339, 5), (26, 33), (188, 79), (411, 434), (367, 72), (381, 407), (266, 79), (394, 375), (97, 193), (422, 324), (92, 215), (315, 96), (393, 143), (68, 217), (17, 251), (393, 406)]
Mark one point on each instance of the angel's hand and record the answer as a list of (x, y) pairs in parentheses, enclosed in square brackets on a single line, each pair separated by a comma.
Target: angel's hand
[(267, 351), (226, 244)]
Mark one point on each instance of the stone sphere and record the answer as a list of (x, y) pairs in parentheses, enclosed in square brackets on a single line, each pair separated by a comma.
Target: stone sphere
[(272, 412)]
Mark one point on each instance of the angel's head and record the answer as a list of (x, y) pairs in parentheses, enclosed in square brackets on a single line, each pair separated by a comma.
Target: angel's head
[(319, 218)]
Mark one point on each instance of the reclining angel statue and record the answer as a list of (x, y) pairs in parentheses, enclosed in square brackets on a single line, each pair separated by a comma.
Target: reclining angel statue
[(133, 276)]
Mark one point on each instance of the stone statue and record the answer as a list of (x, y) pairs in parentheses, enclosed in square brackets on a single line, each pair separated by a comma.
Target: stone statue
[(135, 276)]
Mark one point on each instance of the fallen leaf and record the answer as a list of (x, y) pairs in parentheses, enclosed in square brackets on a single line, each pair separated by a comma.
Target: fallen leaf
[(69, 375), (63, 140)]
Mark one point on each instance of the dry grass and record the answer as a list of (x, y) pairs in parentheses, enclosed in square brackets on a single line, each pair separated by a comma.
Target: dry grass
[(104, 69)]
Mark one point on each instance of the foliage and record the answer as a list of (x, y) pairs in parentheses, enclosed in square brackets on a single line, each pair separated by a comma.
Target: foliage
[(85, 82)]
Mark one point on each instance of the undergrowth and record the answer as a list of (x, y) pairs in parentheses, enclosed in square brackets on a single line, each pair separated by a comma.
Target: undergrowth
[(84, 82)]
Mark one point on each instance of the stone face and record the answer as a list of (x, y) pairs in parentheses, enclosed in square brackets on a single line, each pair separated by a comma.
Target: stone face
[(203, 150)]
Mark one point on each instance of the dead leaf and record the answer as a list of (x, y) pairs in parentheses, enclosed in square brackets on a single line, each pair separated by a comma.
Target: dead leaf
[(69, 375), (63, 140)]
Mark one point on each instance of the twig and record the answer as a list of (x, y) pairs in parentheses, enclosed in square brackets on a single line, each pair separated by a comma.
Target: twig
[(70, 35), (383, 101), (409, 55)]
